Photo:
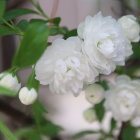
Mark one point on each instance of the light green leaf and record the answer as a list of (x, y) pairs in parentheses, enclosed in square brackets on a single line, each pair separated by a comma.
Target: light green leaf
[(2, 7), (14, 13), (7, 133), (4, 30), (32, 45), (7, 92), (100, 111), (83, 133)]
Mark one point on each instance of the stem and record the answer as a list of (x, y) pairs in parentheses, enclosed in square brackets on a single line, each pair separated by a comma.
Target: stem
[(121, 131)]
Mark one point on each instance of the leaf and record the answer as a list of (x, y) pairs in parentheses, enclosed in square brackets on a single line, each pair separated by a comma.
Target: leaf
[(14, 13), (136, 51), (70, 33), (23, 24), (100, 111), (129, 132), (2, 7), (83, 133), (7, 133), (55, 30), (32, 45), (113, 125), (38, 21), (56, 21), (103, 84), (4, 30), (50, 129), (7, 92)]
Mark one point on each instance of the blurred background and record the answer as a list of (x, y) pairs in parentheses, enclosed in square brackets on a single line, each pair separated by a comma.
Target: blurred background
[(65, 110)]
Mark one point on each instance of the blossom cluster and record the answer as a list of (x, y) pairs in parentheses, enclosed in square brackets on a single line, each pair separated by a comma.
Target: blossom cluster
[(102, 44), (122, 98)]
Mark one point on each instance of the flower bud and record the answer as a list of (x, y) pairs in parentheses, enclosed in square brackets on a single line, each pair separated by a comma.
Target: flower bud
[(130, 27), (94, 93), (90, 115), (9, 81), (27, 96)]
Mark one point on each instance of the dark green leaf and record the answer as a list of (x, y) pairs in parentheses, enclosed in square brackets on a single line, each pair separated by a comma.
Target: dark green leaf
[(14, 13), (32, 45), (136, 51), (55, 30), (23, 24), (56, 21), (7, 92), (7, 133), (113, 125), (2, 7), (103, 84), (50, 129), (71, 33), (100, 111), (129, 132), (83, 133), (4, 30), (38, 21)]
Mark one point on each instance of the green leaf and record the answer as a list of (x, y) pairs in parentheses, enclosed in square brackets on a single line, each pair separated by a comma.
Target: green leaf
[(83, 133), (129, 132), (32, 45), (14, 13), (56, 21), (7, 133), (2, 7), (4, 30), (50, 129), (7, 92), (55, 30), (23, 24), (103, 84), (38, 21), (136, 52), (70, 33), (113, 125), (100, 111)]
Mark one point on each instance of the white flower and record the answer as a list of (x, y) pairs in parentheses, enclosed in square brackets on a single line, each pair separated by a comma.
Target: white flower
[(64, 68), (130, 27), (123, 99), (27, 96), (94, 93), (9, 81), (104, 43), (90, 115)]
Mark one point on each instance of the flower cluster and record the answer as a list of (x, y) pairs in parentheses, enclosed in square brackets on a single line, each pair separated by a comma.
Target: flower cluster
[(102, 44), (123, 98)]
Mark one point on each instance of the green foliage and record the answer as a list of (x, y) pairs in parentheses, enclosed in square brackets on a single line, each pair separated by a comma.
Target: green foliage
[(83, 133), (7, 133), (32, 45), (7, 92), (129, 133), (4, 30), (100, 111), (71, 33), (14, 13), (113, 125), (2, 7), (23, 24)]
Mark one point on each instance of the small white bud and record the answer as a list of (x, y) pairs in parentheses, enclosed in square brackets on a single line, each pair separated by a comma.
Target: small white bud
[(27, 96), (94, 93), (130, 27), (90, 115), (9, 81)]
